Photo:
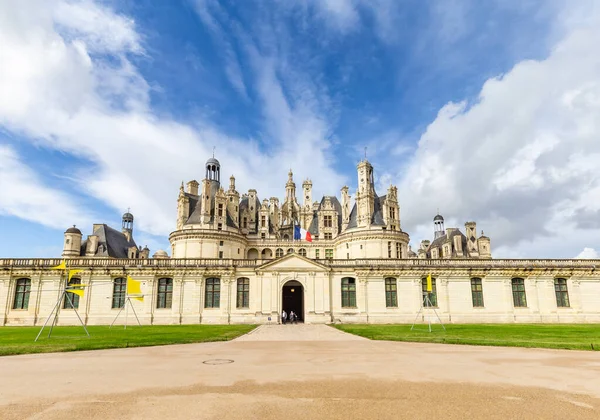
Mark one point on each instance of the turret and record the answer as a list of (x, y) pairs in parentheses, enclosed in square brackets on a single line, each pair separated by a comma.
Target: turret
[(72, 245), (307, 198), (365, 195), (233, 201), (438, 226), (484, 246), (127, 225)]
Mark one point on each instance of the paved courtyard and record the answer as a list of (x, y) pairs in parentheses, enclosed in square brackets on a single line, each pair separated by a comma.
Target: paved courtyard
[(302, 372)]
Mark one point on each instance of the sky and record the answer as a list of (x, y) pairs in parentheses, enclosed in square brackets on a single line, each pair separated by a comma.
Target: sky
[(483, 111)]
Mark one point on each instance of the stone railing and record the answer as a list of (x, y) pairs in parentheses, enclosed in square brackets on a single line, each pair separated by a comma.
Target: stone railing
[(45, 263)]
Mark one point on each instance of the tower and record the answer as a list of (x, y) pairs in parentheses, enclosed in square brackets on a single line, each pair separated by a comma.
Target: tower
[(127, 225), (365, 195), (233, 201), (307, 189), (438, 226), (72, 245), (213, 170)]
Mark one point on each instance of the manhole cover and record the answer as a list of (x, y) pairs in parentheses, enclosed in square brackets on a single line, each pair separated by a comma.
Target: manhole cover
[(217, 361)]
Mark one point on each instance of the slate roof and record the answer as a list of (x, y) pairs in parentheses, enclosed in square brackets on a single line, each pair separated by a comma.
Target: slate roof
[(111, 243), (438, 242), (314, 224), (376, 219)]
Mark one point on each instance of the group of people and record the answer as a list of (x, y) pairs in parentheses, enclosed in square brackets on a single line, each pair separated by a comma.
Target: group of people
[(293, 318)]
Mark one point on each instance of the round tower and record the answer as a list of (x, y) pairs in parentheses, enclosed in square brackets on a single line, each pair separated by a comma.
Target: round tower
[(127, 224), (438, 226), (72, 245)]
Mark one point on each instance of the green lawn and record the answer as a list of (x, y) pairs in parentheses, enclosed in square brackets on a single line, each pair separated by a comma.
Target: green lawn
[(574, 337), (19, 340)]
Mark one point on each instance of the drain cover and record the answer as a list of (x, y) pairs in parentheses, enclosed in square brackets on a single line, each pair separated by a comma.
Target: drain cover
[(217, 361)]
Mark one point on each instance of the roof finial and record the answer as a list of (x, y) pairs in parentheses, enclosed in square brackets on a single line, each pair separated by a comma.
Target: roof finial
[(213, 151), (365, 153)]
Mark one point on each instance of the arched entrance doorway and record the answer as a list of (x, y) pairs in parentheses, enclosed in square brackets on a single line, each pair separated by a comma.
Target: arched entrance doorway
[(292, 298)]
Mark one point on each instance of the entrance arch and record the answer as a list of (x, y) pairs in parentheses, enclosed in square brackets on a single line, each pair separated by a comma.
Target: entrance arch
[(292, 298)]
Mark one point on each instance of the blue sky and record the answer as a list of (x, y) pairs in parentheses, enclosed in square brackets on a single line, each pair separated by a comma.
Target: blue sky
[(484, 110)]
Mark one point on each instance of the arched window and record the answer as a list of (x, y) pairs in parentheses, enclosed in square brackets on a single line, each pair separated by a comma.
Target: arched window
[(243, 293), (348, 292), (73, 303), (518, 289), (119, 288), (562, 294), (253, 254), (302, 252), (212, 293), (279, 252), (477, 292), (164, 298), (266, 254), (391, 292), (22, 290), (432, 294), (290, 250), (286, 237)]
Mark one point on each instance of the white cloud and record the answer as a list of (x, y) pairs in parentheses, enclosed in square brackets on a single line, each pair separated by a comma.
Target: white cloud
[(58, 91), (588, 254), (25, 195), (522, 160)]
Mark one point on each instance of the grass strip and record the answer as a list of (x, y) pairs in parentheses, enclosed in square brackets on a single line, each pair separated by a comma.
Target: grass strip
[(553, 336), (19, 340)]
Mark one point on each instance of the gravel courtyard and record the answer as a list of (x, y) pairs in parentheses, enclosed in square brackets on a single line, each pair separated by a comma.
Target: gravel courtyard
[(302, 371)]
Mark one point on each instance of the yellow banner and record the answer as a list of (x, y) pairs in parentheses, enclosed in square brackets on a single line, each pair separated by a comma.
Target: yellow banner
[(73, 272), (134, 287), (60, 266), (75, 291), (429, 288)]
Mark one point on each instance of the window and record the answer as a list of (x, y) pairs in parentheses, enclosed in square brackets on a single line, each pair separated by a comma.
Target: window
[(212, 295), (164, 299), (263, 235), (562, 295), (243, 293), (398, 250), (290, 251), (432, 295), (302, 252), (245, 224), (279, 252), (392, 213), (220, 210), (317, 254), (518, 290), (328, 235), (23, 287), (348, 292), (220, 255), (477, 292), (327, 221), (347, 255), (74, 297), (119, 287), (329, 254), (391, 293), (68, 241), (389, 250), (263, 221), (220, 243)]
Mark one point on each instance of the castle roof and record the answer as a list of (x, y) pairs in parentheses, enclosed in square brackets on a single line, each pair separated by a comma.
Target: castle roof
[(111, 243)]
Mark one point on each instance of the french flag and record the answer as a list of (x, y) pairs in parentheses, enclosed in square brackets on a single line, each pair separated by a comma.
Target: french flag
[(300, 233)]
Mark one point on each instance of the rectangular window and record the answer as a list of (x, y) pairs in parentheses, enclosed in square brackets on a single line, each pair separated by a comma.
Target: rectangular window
[(243, 293), (212, 294), (562, 294), (22, 294), (221, 254), (328, 235), (327, 221), (391, 293), (432, 294), (518, 290), (220, 210), (392, 227), (164, 299), (347, 256), (477, 292), (245, 224), (329, 254), (398, 250), (220, 243), (389, 250), (119, 288), (74, 297), (220, 226), (317, 254), (348, 292), (263, 221)]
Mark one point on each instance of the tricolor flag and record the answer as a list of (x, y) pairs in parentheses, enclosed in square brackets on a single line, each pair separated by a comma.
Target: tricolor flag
[(300, 233)]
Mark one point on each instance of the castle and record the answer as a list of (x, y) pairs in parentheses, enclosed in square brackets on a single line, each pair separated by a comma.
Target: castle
[(237, 259)]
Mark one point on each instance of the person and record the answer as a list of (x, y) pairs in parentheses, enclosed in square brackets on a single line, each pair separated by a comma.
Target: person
[(283, 316), (292, 316)]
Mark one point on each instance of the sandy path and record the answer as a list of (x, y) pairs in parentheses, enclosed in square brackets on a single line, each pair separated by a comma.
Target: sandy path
[(276, 372)]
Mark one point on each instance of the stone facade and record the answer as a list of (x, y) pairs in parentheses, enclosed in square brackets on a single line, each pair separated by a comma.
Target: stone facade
[(234, 260)]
